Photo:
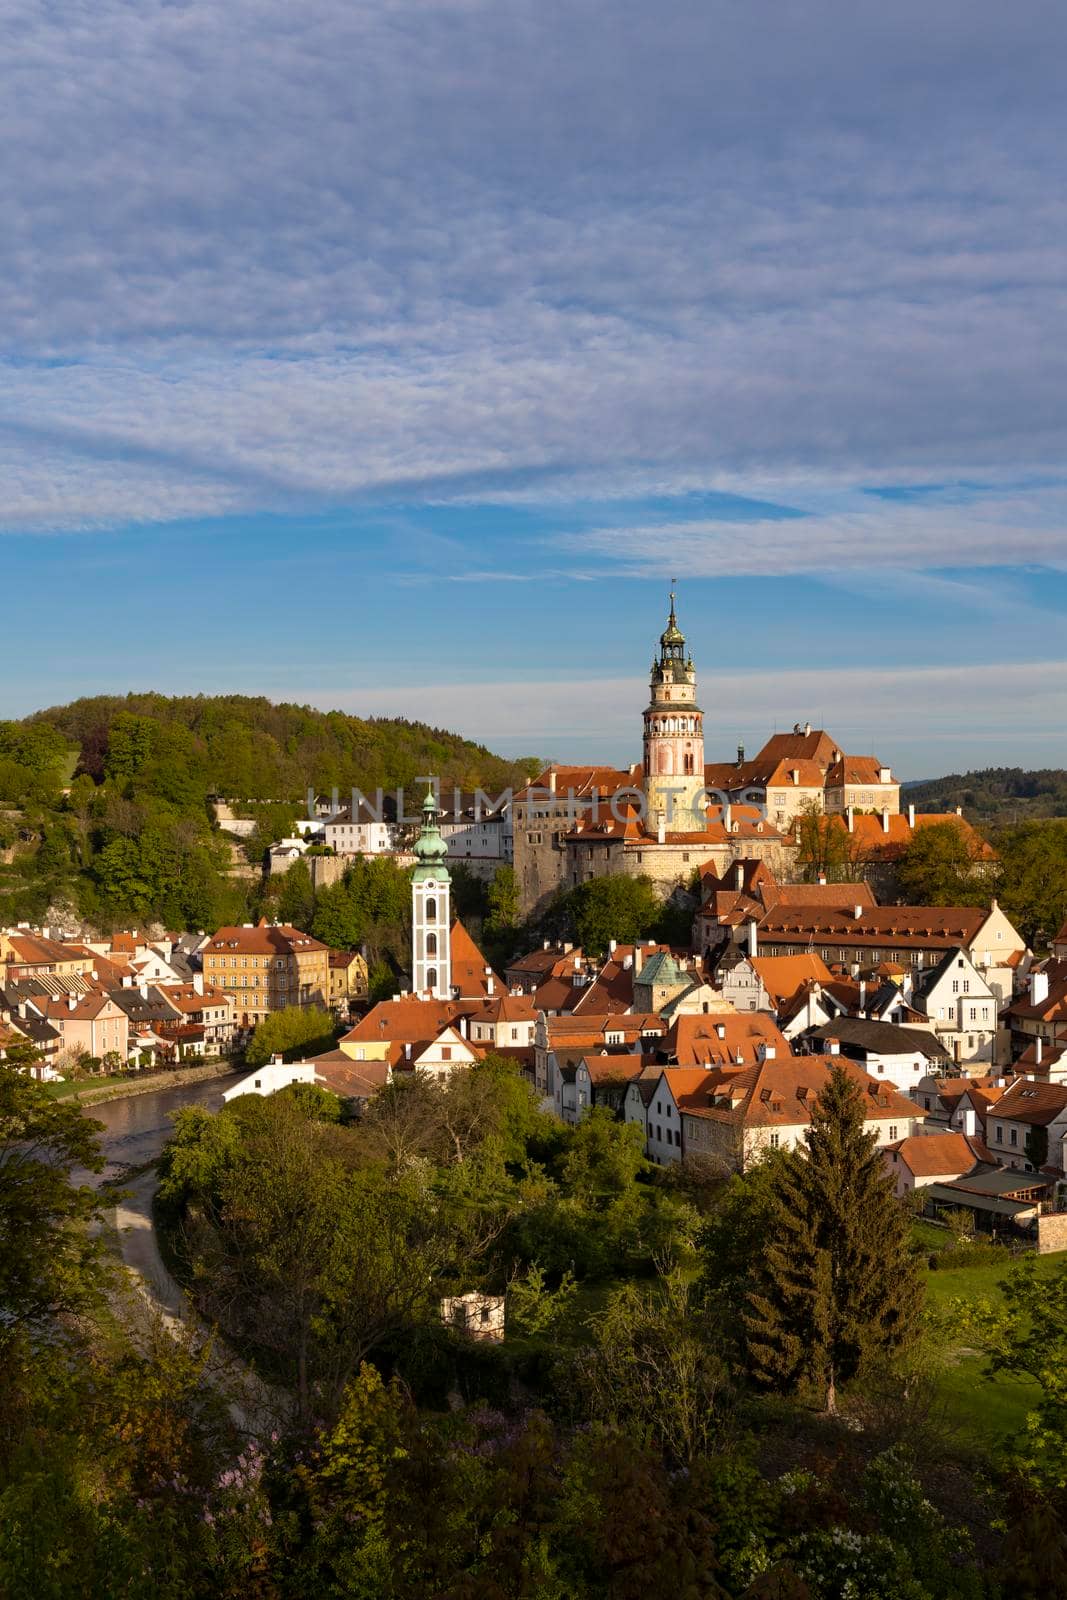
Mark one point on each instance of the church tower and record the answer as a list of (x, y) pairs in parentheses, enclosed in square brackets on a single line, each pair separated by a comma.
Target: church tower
[(674, 738), (431, 909)]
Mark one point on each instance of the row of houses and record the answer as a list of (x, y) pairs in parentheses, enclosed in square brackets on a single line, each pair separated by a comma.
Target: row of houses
[(130, 999)]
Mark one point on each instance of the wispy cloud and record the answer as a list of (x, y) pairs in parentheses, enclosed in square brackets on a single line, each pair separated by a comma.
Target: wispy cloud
[(868, 709), (258, 257)]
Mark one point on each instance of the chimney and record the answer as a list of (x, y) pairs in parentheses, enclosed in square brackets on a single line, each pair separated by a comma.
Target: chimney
[(848, 818), (613, 945), (911, 816), (885, 819), (463, 1027), (1038, 1042), (639, 959), (857, 912), (739, 875), (72, 1004), (753, 939), (142, 990), (970, 1121), (1038, 988), (833, 1047), (822, 879), (740, 755), (959, 811), (198, 983), (552, 780), (276, 1060), (567, 948), (863, 993), (766, 1052), (661, 830), (728, 816), (807, 728), (720, 1030), (547, 944), (407, 1051)]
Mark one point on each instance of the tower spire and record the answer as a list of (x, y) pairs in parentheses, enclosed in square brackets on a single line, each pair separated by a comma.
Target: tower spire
[(431, 908)]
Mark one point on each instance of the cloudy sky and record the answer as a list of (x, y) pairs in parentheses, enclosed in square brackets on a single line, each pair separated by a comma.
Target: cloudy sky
[(395, 354)]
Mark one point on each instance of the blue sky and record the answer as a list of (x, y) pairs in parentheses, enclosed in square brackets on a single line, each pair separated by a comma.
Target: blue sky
[(395, 356)]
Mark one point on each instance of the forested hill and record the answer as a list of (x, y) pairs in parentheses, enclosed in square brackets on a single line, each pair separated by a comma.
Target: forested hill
[(995, 794), (104, 804), (248, 748)]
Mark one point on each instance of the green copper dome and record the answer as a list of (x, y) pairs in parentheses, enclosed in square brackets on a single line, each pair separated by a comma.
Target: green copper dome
[(430, 849)]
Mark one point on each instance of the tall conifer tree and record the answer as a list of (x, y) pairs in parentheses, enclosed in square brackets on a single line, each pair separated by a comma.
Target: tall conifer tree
[(838, 1282)]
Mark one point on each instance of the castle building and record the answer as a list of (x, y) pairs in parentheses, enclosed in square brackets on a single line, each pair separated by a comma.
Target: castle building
[(431, 909), (676, 812), (674, 737)]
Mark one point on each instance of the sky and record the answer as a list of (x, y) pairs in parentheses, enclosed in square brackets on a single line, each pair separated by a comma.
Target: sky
[(396, 356)]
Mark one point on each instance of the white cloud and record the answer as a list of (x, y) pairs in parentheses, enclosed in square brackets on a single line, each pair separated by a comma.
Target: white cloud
[(922, 719), (299, 255)]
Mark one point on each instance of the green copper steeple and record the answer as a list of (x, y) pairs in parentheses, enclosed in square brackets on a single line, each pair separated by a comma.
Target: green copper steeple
[(430, 849)]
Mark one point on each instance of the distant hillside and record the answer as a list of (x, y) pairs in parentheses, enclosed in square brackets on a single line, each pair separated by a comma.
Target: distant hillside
[(104, 803), (251, 749), (995, 795)]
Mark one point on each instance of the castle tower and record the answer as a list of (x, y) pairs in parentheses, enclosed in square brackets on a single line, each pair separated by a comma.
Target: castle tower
[(674, 738), (431, 909)]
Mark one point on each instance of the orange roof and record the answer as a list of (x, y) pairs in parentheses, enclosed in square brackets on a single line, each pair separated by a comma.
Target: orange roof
[(796, 773), (934, 926), (611, 1068), (29, 950), (938, 1155), (782, 976), (405, 1020), (471, 973), (1034, 1103), (783, 1092), (856, 769), (581, 782), (265, 938), (505, 1008), (719, 1040)]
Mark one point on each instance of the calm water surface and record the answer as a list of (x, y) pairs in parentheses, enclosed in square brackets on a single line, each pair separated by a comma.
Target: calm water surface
[(137, 1127)]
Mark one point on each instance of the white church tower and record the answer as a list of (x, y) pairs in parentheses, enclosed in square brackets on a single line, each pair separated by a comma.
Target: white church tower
[(431, 909)]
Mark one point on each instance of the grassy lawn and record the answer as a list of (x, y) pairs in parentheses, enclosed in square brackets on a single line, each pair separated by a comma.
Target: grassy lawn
[(986, 1410), (78, 1086)]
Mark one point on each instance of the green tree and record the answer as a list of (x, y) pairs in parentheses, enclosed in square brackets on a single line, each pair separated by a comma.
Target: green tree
[(603, 1157), (296, 897), (296, 1030), (942, 867), (50, 1264), (503, 897), (825, 849), (652, 1370), (625, 909), (1033, 878), (338, 920), (838, 1282)]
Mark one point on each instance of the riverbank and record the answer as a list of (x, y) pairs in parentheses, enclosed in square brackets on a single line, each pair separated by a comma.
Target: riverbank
[(95, 1092)]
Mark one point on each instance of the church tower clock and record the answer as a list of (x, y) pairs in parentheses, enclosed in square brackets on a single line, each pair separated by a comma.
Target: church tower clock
[(674, 738), (431, 910)]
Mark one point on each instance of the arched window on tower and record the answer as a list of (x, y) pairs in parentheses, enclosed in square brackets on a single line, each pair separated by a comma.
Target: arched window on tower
[(431, 977), (665, 761), (431, 909), (431, 944), (689, 764)]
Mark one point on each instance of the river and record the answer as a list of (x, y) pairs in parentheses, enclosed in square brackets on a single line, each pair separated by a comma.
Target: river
[(137, 1126)]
